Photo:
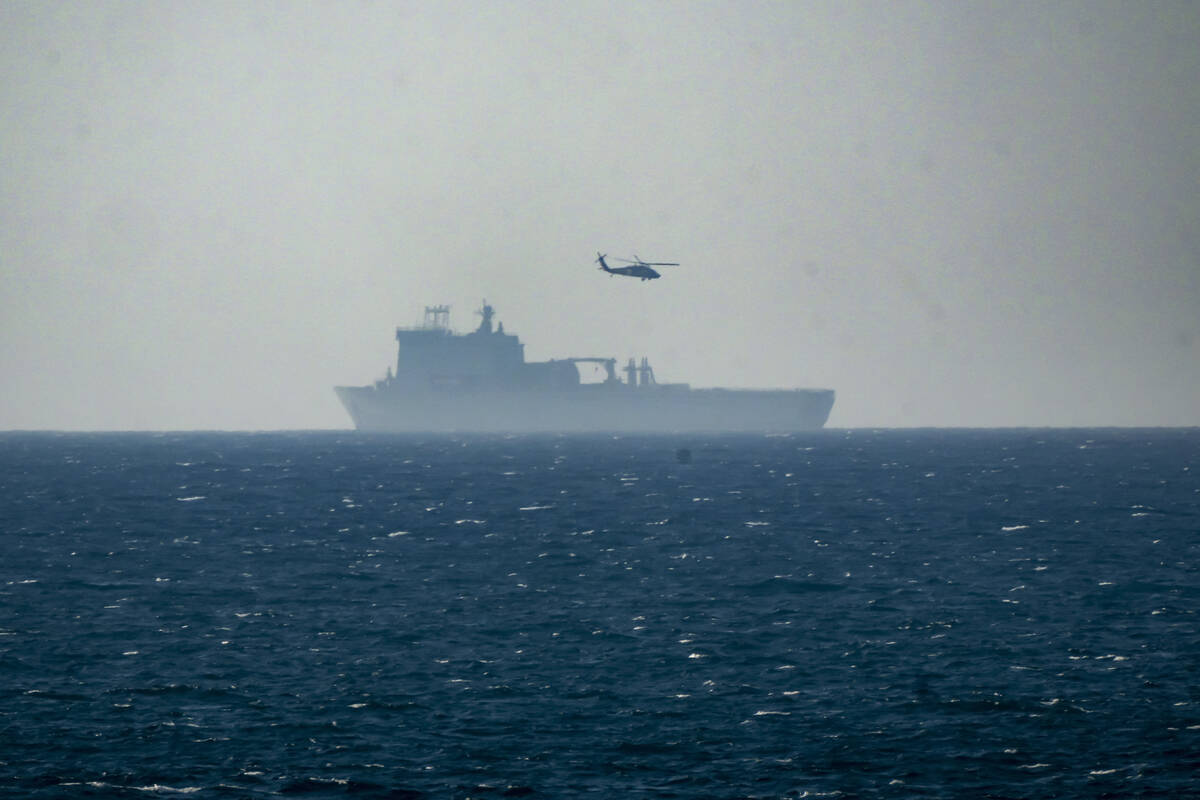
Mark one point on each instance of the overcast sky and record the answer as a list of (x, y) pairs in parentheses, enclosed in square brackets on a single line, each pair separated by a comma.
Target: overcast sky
[(953, 213)]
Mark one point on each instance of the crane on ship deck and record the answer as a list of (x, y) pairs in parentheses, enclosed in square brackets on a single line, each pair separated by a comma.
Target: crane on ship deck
[(610, 366)]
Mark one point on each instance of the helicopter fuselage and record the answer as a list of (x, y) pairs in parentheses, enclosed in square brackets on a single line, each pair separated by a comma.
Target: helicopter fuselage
[(636, 271)]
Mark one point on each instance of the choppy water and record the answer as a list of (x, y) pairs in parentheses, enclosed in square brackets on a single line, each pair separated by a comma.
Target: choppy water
[(841, 614)]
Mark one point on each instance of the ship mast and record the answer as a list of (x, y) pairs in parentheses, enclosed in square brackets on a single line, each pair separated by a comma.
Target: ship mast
[(645, 373), (485, 325), (639, 375)]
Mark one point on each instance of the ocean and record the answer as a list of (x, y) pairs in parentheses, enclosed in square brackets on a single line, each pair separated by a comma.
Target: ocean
[(842, 613)]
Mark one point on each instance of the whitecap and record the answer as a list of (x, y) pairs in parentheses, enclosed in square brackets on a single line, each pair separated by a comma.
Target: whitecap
[(156, 787), (191, 499), (1007, 528), (533, 508)]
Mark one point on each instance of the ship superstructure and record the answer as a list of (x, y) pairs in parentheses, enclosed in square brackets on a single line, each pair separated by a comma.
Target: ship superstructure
[(480, 381)]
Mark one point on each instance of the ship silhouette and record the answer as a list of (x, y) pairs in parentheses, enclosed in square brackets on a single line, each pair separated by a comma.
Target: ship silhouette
[(481, 382)]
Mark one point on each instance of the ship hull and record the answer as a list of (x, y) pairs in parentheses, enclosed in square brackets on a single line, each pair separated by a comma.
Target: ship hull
[(586, 408)]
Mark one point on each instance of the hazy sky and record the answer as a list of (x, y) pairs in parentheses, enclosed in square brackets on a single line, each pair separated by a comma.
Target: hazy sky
[(953, 213)]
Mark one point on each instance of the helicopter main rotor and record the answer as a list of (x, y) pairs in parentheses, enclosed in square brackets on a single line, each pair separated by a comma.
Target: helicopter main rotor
[(637, 261)]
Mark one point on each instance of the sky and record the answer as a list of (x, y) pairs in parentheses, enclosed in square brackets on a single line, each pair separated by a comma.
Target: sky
[(952, 213)]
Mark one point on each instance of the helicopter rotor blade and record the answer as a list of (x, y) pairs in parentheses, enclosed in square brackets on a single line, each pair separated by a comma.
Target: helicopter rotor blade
[(638, 260)]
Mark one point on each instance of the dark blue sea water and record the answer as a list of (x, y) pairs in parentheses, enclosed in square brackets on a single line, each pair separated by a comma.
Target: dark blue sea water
[(838, 614)]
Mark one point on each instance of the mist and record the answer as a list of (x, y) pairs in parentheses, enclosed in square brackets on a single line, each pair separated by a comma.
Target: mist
[(953, 214)]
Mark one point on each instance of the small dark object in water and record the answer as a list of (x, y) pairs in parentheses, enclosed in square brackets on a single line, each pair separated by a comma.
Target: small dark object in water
[(683, 455)]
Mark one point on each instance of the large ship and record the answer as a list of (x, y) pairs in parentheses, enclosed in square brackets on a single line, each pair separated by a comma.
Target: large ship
[(480, 381)]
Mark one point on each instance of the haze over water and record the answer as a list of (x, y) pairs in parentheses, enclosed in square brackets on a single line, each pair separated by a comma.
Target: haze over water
[(967, 214)]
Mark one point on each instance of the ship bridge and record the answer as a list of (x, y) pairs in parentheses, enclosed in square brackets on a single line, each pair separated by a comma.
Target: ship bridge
[(433, 351)]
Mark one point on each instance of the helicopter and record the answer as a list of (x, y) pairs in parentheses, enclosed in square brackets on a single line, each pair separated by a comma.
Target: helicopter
[(637, 269)]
